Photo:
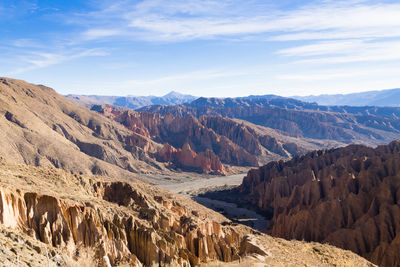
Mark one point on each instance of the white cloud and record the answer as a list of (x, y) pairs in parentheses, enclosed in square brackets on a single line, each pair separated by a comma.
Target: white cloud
[(37, 60), (315, 35), (346, 51), (92, 34), (186, 20)]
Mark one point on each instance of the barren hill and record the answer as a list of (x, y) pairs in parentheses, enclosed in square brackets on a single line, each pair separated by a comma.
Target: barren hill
[(40, 127)]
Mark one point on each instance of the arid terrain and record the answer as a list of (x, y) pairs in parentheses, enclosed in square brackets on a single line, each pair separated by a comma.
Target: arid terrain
[(199, 133), (140, 208)]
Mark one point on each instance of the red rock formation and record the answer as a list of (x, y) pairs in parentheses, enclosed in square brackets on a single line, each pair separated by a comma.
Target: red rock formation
[(186, 158), (177, 131), (348, 197)]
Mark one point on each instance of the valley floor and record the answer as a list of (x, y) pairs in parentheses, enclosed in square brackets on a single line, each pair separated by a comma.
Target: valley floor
[(193, 185)]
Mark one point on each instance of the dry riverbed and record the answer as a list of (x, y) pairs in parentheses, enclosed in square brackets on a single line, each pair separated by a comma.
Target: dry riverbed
[(194, 185)]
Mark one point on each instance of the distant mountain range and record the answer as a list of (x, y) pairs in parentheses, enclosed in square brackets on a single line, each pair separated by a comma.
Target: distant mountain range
[(134, 102), (295, 118), (382, 98), (390, 97)]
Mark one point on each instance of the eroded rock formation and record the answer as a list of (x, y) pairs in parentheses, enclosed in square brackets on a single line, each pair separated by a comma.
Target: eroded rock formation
[(348, 197), (122, 222), (186, 158), (232, 142), (48, 216)]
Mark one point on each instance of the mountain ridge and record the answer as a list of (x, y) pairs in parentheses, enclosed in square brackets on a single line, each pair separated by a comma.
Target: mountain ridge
[(381, 98), (368, 125), (134, 102)]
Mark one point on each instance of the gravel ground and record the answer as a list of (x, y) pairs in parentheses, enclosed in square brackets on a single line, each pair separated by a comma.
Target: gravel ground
[(193, 185)]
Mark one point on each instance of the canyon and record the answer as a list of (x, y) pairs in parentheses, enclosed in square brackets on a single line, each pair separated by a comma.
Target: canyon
[(53, 207)]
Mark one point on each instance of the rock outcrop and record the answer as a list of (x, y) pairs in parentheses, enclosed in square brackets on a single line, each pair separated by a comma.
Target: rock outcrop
[(347, 197), (187, 159)]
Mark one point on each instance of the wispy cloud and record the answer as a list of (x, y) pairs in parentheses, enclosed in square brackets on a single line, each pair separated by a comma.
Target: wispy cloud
[(336, 31), (307, 35), (346, 51), (37, 60), (188, 20)]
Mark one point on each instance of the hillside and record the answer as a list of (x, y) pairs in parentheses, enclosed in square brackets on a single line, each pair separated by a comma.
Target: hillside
[(51, 217), (43, 128), (347, 197)]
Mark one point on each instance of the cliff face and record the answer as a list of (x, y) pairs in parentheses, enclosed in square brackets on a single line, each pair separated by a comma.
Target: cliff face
[(347, 197), (246, 137), (120, 237)]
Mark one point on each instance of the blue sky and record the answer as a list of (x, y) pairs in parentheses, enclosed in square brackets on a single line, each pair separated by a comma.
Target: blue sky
[(208, 48)]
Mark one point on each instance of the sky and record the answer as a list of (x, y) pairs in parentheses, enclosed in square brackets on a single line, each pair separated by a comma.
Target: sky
[(204, 48)]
